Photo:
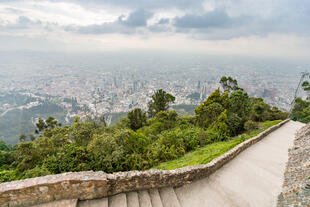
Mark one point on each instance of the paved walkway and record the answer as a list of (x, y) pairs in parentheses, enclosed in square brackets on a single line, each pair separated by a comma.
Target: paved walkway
[(253, 178)]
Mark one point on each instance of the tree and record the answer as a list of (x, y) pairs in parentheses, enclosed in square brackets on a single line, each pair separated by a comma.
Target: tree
[(102, 120), (160, 102), (41, 125), (260, 111), (229, 84), (210, 109), (239, 103), (82, 132), (49, 123), (208, 114), (32, 137), (22, 138), (137, 119), (306, 86)]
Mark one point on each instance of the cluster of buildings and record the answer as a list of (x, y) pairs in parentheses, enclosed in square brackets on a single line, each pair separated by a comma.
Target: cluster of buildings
[(114, 91)]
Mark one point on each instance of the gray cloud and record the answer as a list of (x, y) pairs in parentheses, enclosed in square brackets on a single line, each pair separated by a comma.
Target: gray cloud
[(121, 25), (163, 21), (22, 22), (216, 18), (229, 19), (137, 18)]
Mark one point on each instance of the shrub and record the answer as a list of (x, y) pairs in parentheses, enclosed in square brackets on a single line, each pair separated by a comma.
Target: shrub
[(106, 154), (7, 176), (36, 172), (137, 119), (172, 145), (208, 114), (235, 124), (204, 138), (220, 127), (251, 125), (70, 158)]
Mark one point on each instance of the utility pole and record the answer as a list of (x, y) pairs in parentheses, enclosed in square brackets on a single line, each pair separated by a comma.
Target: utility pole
[(304, 75)]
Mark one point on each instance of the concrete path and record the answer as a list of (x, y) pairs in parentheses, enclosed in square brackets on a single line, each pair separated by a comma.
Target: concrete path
[(253, 178)]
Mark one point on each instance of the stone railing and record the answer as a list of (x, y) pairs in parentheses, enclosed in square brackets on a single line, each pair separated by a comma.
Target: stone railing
[(90, 185)]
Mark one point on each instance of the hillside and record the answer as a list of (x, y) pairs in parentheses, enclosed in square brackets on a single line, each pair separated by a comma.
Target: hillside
[(142, 140)]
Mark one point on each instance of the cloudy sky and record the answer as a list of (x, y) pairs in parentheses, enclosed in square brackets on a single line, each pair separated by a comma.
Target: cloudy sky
[(240, 27)]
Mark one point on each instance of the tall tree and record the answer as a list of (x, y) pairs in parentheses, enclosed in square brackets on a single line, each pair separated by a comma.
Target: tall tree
[(137, 118), (49, 123), (229, 84), (160, 102), (211, 108)]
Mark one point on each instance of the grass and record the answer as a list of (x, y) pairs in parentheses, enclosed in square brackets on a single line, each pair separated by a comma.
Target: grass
[(208, 153)]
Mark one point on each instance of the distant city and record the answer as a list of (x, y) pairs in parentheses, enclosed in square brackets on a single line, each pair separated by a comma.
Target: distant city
[(109, 84)]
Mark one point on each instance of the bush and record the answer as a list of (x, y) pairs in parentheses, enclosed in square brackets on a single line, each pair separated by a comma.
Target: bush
[(208, 114), (137, 119), (213, 136), (7, 176), (36, 172), (220, 127), (71, 158), (235, 124), (163, 121), (204, 138), (172, 145), (106, 154), (251, 125)]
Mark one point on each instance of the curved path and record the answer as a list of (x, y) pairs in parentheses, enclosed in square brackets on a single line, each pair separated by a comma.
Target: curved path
[(253, 178)]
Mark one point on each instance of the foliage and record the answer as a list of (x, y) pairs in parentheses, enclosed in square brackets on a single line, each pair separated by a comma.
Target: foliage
[(137, 119), (5, 147), (7, 175), (20, 121), (135, 143), (72, 158), (301, 111), (208, 112), (106, 154), (306, 86), (239, 103), (160, 102), (251, 125), (229, 84), (220, 127), (206, 154)]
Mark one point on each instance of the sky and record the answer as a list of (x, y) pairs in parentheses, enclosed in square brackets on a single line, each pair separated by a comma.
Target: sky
[(272, 28)]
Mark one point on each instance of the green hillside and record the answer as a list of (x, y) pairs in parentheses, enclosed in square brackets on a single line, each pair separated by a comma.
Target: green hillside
[(142, 140)]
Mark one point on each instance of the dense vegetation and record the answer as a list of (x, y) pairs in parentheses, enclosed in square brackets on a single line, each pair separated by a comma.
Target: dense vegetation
[(19, 121), (207, 153), (301, 110), (140, 141)]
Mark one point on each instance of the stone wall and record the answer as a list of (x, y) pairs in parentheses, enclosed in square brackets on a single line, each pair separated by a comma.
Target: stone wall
[(296, 185), (90, 185)]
